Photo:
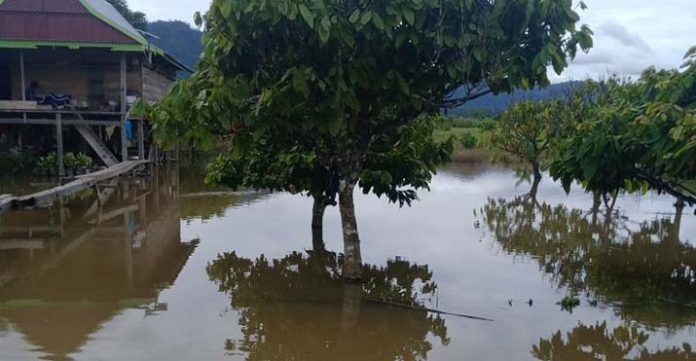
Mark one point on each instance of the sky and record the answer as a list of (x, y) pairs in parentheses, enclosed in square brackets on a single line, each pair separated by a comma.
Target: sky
[(630, 35)]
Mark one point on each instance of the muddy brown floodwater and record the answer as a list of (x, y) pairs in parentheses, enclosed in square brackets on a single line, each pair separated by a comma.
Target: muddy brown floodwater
[(159, 269)]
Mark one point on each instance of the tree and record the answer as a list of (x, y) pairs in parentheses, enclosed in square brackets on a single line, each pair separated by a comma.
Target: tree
[(349, 74), (525, 131), (640, 136), (135, 18)]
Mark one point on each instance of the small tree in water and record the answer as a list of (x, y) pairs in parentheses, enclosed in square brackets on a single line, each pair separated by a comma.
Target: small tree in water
[(343, 79)]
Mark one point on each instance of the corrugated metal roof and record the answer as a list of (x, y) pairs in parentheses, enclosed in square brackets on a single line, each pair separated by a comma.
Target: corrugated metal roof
[(65, 20), (94, 23), (113, 18), (52, 6)]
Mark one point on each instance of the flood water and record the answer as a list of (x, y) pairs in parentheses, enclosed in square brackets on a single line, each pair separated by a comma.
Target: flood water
[(159, 270)]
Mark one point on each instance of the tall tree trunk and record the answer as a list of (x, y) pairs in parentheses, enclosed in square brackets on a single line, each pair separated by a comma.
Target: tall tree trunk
[(352, 263), (537, 171), (318, 223), (679, 212), (596, 203)]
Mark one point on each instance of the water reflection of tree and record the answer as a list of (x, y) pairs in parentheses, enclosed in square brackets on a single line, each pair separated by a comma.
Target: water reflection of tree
[(598, 342), (645, 269), (299, 308)]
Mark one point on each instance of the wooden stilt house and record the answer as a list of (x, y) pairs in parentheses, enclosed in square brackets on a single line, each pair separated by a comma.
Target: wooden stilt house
[(73, 68)]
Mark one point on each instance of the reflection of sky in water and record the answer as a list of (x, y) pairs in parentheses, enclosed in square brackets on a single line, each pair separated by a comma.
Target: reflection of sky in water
[(474, 275)]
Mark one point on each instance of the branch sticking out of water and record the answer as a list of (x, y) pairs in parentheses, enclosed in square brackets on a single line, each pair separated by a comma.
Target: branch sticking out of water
[(418, 308)]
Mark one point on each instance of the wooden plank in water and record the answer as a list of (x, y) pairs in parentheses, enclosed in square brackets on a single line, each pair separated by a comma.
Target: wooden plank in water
[(51, 195), (116, 170), (20, 244), (82, 182)]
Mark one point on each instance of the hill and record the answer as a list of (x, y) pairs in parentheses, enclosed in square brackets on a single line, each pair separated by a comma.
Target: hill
[(493, 104), (179, 39)]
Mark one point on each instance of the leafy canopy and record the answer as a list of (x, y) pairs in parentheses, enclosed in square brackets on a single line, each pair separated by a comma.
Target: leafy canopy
[(640, 135), (135, 18), (347, 74)]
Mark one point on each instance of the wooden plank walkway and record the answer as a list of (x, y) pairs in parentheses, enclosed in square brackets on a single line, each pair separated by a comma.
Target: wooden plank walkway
[(47, 197)]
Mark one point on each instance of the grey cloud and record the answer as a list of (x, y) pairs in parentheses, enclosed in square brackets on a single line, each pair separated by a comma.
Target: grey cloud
[(618, 32), (594, 57)]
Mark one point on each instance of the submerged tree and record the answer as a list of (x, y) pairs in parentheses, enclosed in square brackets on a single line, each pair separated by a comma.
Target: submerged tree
[(298, 308), (527, 130), (346, 76)]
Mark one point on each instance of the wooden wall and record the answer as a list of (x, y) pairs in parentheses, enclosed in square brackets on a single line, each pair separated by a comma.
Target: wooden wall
[(92, 76), (156, 82)]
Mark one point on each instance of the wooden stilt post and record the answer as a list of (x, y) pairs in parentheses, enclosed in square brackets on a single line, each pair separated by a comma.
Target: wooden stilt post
[(141, 139), (124, 108), (59, 141), (23, 78), (22, 75)]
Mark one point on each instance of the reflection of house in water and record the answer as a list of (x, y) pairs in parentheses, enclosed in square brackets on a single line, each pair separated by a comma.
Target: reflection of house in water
[(64, 272)]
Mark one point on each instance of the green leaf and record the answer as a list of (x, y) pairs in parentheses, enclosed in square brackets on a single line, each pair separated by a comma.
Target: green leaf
[(366, 17), (479, 54), (226, 8), (354, 16), (377, 20), (307, 15), (410, 16)]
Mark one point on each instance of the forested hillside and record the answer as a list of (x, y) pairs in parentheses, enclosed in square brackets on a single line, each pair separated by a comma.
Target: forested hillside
[(493, 104), (179, 39)]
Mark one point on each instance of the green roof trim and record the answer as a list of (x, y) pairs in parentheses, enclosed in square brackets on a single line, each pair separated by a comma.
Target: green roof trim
[(35, 44)]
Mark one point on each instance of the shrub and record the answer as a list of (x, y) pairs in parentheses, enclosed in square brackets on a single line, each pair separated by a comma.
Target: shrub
[(70, 160), (486, 124), (47, 162), (468, 140), (84, 161)]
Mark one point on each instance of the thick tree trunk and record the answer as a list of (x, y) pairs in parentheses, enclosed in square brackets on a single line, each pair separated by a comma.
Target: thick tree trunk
[(318, 223), (352, 263)]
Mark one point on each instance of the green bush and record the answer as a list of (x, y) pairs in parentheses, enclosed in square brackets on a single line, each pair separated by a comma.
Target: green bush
[(486, 124), (468, 140), (70, 160), (84, 161), (77, 161), (47, 163)]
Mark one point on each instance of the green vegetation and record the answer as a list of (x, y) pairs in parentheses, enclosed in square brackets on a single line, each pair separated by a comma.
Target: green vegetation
[(530, 130), (636, 136), (568, 303), (328, 95), (76, 161), (47, 164), (136, 18)]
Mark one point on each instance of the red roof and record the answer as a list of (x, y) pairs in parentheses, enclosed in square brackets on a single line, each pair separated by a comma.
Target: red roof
[(54, 20), (44, 6)]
